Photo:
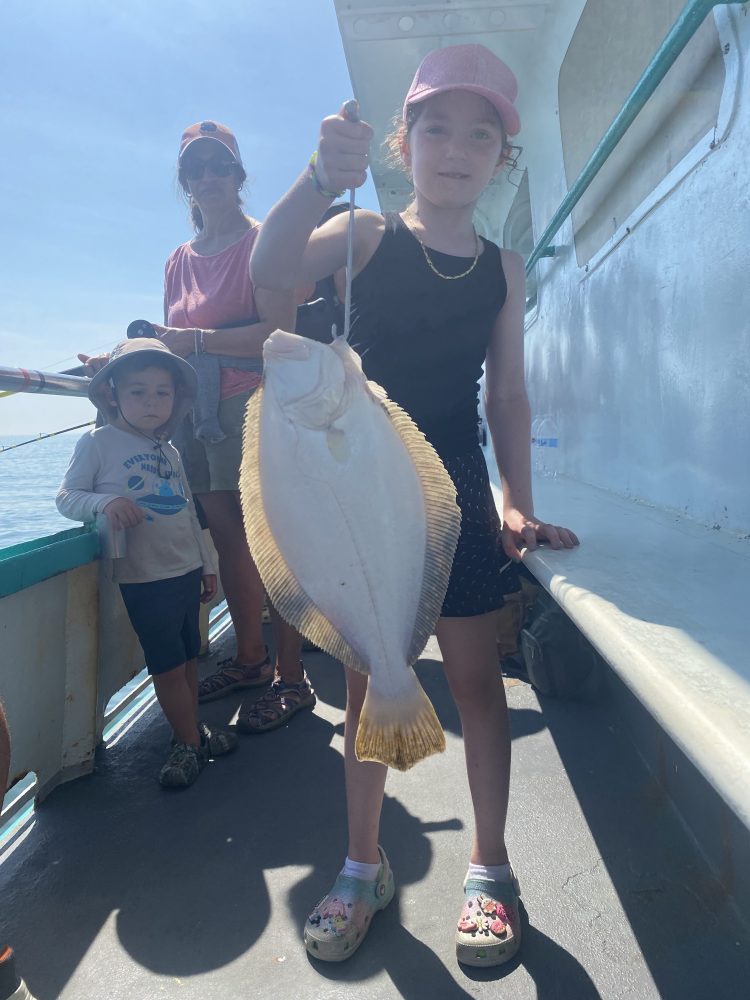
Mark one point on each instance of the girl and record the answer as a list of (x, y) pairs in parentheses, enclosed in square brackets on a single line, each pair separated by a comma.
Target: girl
[(433, 302)]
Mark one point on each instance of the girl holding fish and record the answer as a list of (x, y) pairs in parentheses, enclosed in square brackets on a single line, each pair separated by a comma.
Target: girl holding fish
[(432, 303)]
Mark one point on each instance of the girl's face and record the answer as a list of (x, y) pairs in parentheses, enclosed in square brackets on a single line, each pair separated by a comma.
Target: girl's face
[(454, 148), (209, 174)]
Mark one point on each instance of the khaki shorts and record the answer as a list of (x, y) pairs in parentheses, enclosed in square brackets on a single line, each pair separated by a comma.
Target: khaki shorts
[(212, 467)]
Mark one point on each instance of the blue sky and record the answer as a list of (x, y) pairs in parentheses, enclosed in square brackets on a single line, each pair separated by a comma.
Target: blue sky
[(94, 96)]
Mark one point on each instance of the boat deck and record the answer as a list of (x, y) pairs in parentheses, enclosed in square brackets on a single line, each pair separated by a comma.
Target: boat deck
[(121, 890)]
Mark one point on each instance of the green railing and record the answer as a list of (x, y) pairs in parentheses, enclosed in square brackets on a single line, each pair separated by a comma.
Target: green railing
[(682, 31)]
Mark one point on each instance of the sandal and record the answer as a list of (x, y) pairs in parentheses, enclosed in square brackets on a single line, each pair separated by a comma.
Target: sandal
[(232, 676), (489, 929), (338, 924), (276, 707)]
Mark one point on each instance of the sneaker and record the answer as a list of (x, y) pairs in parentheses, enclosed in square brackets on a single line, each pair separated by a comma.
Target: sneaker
[(338, 924), (489, 929), (183, 766), (217, 742), (12, 987)]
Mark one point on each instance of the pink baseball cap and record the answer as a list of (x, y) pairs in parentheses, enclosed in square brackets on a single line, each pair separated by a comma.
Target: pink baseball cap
[(468, 67), (209, 130)]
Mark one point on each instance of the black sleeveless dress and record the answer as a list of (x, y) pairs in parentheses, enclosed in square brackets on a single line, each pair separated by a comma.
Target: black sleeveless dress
[(424, 339)]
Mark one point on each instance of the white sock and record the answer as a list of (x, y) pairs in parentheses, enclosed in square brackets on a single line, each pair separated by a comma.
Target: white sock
[(360, 870), (495, 873)]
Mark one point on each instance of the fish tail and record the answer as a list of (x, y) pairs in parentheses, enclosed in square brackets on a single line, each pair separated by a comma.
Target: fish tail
[(398, 732)]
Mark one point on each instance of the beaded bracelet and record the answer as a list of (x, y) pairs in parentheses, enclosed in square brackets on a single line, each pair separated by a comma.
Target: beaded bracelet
[(324, 192)]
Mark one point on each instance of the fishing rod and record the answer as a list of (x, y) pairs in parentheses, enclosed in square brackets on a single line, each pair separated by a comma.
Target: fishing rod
[(71, 382), (351, 110), (43, 437)]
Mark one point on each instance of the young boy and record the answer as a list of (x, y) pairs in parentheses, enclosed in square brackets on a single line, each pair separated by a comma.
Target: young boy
[(128, 472)]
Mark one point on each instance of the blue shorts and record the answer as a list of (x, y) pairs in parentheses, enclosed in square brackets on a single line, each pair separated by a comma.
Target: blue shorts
[(165, 617)]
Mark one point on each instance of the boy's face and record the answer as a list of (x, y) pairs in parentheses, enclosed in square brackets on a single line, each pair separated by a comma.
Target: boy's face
[(145, 399)]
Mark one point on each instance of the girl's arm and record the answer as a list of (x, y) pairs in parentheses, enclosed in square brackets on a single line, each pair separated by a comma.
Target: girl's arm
[(509, 420), (290, 251)]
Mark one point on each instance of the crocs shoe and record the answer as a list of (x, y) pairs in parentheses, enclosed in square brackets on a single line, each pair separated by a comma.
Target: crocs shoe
[(184, 764), (338, 924), (12, 987), (489, 929)]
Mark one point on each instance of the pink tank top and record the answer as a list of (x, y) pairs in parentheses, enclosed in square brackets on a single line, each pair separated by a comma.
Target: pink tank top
[(212, 293)]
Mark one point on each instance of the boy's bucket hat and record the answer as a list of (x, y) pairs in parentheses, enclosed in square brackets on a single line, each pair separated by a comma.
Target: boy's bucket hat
[(209, 130), (468, 67), (148, 349)]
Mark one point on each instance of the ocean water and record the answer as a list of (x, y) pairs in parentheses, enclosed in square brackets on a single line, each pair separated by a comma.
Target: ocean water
[(29, 479)]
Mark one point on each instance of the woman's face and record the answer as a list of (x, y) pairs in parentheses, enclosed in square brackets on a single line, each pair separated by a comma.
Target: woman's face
[(209, 173)]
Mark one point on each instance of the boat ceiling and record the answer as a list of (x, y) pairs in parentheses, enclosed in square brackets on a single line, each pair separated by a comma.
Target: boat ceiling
[(385, 42)]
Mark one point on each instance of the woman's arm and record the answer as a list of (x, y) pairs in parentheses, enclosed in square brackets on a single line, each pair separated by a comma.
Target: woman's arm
[(290, 251), (276, 311), (509, 420)]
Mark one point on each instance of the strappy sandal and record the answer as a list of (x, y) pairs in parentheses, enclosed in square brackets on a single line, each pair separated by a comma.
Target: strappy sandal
[(277, 706), (338, 924), (233, 676), (489, 929)]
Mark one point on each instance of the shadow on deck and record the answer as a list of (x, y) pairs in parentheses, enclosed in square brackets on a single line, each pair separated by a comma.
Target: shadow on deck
[(123, 890)]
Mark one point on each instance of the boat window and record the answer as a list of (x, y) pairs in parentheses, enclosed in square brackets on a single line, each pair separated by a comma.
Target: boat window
[(612, 45), (518, 234)]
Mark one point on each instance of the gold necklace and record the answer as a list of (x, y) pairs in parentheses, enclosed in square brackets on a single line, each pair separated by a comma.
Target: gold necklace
[(448, 277)]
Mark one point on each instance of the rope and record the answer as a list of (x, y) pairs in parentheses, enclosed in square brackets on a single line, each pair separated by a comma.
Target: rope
[(43, 437)]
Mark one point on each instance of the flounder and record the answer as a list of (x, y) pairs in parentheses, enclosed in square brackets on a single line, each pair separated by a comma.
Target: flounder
[(352, 521)]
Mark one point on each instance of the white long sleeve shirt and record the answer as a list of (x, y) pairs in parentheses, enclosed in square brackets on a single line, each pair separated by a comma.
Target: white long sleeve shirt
[(108, 463)]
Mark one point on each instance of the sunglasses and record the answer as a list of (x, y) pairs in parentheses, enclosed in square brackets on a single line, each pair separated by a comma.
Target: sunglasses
[(193, 170)]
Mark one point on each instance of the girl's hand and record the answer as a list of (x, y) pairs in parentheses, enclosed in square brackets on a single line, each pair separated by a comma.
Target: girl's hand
[(123, 513), (521, 532), (180, 342), (208, 581), (342, 153)]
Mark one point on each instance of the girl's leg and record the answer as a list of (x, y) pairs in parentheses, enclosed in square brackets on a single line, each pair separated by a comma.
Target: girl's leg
[(339, 923), (471, 666), (176, 698), (239, 576), (365, 780)]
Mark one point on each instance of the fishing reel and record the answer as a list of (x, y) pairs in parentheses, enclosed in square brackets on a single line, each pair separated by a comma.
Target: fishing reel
[(140, 328)]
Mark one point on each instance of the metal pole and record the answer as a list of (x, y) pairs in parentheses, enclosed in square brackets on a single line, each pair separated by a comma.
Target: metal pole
[(49, 383), (682, 31)]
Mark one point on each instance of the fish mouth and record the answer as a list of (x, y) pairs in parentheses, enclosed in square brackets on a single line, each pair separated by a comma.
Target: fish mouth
[(287, 346)]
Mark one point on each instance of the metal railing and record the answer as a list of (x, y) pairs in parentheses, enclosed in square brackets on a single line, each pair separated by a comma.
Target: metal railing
[(691, 18)]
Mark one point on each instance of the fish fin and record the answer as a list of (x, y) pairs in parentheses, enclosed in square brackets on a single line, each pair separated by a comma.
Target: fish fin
[(443, 518), (398, 733), (287, 595)]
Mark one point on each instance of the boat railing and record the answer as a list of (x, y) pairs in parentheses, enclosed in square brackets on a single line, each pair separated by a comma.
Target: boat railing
[(686, 25)]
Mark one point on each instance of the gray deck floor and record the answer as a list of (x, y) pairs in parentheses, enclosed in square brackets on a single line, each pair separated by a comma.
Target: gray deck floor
[(124, 891)]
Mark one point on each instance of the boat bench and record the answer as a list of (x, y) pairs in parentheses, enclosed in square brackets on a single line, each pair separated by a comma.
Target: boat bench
[(666, 604)]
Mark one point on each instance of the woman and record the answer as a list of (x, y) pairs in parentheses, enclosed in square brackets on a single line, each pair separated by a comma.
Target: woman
[(215, 317)]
